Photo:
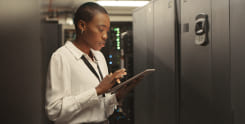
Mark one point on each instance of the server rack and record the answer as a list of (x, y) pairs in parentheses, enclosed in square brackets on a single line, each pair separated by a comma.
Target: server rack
[(205, 67), (204, 72), (154, 47), (142, 100), (237, 66)]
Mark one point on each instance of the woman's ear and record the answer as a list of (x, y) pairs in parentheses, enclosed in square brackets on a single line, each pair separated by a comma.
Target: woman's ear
[(82, 25)]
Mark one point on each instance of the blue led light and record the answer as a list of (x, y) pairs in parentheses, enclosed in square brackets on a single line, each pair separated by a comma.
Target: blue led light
[(110, 56), (110, 62)]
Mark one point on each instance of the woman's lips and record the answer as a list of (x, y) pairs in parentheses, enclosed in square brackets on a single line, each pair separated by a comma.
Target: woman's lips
[(102, 44)]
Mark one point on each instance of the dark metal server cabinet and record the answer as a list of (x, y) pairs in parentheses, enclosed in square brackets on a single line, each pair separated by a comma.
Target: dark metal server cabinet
[(211, 66), (143, 35), (165, 83), (204, 91), (154, 47), (237, 19)]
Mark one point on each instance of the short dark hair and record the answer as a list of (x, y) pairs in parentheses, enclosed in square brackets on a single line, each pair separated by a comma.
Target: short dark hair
[(86, 12)]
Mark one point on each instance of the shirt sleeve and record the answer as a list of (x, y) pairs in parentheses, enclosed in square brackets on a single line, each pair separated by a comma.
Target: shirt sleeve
[(110, 99), (60, 105), (110, 103)]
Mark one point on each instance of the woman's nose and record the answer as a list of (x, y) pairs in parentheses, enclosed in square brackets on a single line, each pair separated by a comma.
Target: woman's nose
[(104, 36)]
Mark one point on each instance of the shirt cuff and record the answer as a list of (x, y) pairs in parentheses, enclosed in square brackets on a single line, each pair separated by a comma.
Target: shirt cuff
[(87, 98), (111, 99)]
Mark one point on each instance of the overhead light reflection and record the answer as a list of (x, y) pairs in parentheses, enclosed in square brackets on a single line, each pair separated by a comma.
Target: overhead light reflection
[(123, 3)]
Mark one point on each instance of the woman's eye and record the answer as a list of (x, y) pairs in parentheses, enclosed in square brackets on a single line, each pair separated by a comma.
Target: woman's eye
[(101, 30)]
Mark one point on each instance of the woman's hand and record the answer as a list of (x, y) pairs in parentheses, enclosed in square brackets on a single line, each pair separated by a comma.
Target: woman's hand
[(122, 92), (109, 81)]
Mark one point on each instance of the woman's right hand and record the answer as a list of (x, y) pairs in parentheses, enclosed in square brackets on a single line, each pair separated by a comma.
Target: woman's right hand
[(109, 81)]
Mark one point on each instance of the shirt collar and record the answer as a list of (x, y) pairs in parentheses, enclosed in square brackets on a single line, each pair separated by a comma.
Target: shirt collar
[(77, 52), (74, 50)]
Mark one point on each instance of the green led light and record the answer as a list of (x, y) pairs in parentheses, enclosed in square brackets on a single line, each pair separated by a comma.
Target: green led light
[(116, 29), (118, 34), (118, 40)]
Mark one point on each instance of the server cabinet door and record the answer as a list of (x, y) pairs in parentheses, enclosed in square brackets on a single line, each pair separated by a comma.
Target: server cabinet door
[(196, 78), (221, 62), (237, 19), (165, 102), (143, 38)]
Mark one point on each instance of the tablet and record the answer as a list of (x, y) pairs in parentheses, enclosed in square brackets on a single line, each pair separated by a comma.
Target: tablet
[(143, 73)]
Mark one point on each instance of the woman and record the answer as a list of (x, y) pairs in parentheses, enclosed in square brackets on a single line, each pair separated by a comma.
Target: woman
[(78, 78)]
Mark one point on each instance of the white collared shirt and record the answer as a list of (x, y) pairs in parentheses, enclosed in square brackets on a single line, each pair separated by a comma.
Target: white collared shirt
[(71, 97)]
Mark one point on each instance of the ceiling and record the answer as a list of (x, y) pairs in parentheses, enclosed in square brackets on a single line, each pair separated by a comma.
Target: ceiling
[(71, 5)]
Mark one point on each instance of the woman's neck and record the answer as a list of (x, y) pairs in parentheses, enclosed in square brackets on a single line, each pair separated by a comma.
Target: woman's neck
[(83, 47)]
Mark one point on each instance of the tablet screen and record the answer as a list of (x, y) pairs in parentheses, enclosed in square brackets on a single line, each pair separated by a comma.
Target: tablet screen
[(143, 73)]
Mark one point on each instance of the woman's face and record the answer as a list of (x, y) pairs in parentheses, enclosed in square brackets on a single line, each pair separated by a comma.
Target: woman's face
[(95, 33)]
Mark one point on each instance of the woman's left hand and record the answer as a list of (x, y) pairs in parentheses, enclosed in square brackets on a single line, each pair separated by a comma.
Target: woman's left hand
[(122, 92)]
